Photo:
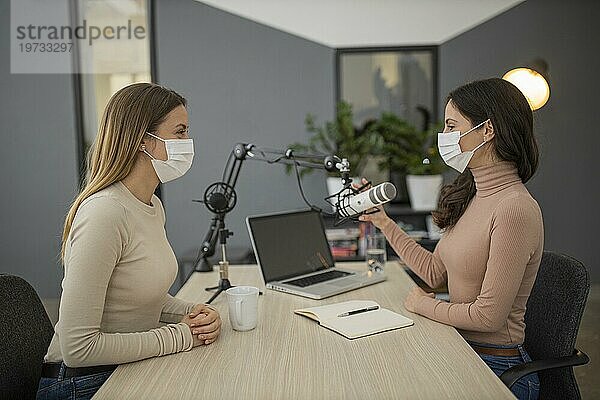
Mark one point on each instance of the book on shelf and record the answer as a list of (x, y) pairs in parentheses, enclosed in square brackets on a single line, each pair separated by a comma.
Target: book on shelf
[(344, 242)]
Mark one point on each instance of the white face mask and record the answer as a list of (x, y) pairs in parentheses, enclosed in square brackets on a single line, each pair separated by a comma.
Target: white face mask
[(450, 151), (180, 153)]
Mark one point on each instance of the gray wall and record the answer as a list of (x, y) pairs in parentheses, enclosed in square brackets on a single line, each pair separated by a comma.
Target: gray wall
[(245, 82), (565, 34), (39, 169)]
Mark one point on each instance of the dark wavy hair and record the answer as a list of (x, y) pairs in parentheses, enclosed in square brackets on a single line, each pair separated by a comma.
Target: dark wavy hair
[(512, 118)]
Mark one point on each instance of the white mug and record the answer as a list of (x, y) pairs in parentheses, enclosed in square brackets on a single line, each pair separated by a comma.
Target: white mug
[(243, 307)]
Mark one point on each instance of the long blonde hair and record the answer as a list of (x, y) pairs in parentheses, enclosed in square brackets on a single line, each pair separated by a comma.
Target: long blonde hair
[(130, 113)]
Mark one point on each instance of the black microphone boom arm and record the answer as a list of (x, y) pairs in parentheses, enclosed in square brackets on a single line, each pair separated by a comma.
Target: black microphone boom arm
[(288, 156), (248, 151)]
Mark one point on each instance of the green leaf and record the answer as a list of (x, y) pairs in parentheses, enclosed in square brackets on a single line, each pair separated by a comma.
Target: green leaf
[(401, 144)]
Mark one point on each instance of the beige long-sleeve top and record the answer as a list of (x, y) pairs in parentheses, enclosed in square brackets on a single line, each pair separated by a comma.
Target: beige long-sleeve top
[(489, 259), (118, 268)]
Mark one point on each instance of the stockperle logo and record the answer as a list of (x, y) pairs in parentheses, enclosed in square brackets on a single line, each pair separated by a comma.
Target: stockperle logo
[(54, 36)]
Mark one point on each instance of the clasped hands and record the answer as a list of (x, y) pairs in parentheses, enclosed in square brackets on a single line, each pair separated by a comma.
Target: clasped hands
[(205, 324)]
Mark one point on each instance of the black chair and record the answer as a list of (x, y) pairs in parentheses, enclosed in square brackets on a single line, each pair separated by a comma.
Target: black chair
[(554, 311), (26, 332)]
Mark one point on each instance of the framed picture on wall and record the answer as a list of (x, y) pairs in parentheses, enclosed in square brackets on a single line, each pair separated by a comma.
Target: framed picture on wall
[(402, 80)]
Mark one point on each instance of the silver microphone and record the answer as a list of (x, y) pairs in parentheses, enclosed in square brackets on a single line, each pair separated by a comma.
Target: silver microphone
[(356, 204)]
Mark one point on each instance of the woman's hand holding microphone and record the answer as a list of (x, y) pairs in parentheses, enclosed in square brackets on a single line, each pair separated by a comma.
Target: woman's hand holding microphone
[(378, 219)]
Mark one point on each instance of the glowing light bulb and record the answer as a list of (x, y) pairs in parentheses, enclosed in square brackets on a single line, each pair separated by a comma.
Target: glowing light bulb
[(532, 84)]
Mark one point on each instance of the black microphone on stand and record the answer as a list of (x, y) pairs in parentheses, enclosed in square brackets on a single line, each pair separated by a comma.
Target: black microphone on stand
[(219, 198)]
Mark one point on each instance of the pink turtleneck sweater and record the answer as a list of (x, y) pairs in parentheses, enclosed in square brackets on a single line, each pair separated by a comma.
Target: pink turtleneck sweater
[(489, 259)]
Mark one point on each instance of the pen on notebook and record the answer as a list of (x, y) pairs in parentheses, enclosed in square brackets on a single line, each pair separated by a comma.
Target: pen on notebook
[(362, 310)]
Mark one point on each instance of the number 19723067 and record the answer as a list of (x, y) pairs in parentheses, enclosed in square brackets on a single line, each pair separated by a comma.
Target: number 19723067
[(45, 47)]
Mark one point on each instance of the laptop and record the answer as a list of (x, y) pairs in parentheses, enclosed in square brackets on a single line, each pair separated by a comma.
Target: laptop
[(294, 256)]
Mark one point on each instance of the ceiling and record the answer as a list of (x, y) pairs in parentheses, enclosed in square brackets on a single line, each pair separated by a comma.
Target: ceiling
[(358, 23)]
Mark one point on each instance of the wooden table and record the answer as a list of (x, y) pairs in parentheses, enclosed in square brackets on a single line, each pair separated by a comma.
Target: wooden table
[(291, 357)]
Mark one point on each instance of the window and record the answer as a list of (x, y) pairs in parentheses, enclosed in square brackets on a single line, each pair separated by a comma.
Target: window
[(119, 57), (401, 80)]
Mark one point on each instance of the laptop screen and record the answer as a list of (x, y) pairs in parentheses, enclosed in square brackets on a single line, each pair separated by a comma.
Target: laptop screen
[(290, 244)]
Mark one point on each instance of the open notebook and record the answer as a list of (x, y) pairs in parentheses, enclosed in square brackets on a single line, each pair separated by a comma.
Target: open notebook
[(356, 325)]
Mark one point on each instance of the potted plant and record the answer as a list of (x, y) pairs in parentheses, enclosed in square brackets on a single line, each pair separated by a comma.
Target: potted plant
[(339, 137), (397, 140), (411, 153)]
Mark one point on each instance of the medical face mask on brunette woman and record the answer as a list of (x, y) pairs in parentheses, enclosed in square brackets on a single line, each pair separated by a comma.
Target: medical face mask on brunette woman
[(450, 151), (180, 153)]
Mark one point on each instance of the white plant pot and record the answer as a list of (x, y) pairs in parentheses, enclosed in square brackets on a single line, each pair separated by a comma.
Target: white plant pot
[(424, 191)]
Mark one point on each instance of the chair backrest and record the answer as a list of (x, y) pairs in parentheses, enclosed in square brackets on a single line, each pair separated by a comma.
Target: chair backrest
[(554, 311), (25, 332)]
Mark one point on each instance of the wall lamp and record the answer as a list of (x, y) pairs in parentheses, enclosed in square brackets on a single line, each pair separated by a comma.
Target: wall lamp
[(532, 80)]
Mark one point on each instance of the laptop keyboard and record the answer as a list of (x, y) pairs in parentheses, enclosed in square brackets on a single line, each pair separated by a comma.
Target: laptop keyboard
[(314, 279)]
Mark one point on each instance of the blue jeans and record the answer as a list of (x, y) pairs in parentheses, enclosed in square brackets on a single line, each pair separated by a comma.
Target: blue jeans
[(526, 388), (78, 388)]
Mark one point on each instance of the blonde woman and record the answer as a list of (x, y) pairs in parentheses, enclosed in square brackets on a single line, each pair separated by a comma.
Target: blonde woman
[(118, 264)]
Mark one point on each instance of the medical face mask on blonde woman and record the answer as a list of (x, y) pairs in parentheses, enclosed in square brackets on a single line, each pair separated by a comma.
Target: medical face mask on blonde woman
[(180, 154)]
